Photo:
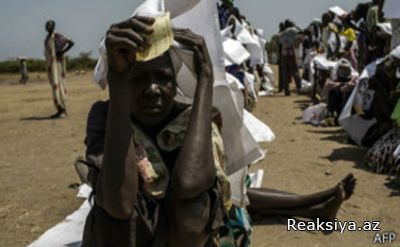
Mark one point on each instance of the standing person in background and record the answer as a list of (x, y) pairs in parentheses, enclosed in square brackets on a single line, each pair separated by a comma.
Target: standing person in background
[(281, 29), (56, 45), (224, 12), (374, 16), (359, 15), (349, 48), (327, 18), (23, 69), (288, 58), (308, 49)]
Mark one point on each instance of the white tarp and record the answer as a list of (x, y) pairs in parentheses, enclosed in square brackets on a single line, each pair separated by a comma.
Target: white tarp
[(69, 232)]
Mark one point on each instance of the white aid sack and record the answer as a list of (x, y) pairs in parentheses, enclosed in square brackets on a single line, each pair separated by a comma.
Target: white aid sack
[(249, 82), (234, 82), (338, 11), (67, 233), (242, 34), (306, 87), (315, 114), (241, 148), (235, 52), (257, 54), (260, 131)]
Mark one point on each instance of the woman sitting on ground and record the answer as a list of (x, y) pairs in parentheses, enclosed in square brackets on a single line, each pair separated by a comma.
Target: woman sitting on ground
[(157, 165)]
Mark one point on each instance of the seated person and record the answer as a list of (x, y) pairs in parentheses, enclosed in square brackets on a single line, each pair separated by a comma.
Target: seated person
[(339, 88), (157, 166), (384, 84)]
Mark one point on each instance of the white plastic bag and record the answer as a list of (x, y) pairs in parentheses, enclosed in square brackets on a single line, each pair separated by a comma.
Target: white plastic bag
[(315, 114)]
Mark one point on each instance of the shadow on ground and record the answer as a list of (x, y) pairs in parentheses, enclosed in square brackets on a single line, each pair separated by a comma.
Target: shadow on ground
[(353, 154), (394, 185), (44, 118), (303, 101), (337, 135)]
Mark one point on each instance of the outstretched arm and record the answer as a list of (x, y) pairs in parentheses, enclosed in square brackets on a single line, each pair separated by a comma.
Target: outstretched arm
[(117, 183), (195, 171)]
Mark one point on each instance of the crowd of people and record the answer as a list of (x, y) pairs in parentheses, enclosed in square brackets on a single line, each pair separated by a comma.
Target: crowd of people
[(351, 71)]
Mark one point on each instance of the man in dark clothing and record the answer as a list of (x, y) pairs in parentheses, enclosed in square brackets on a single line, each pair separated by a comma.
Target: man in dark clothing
[(288, 56)]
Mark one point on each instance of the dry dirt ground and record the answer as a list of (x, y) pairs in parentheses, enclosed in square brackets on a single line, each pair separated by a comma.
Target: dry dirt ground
[(36, 171)]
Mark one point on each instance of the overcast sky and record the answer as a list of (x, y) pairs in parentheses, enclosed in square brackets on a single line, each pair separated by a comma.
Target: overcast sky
[(85, 21)]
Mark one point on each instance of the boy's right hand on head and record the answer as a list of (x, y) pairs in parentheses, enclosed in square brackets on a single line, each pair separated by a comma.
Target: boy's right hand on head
[(124, 39)]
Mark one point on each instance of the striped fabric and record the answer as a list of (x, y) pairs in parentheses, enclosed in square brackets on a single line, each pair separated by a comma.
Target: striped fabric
[(60, 42)]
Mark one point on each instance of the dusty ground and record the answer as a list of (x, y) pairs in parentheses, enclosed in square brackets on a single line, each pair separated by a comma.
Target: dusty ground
[(37, 154)]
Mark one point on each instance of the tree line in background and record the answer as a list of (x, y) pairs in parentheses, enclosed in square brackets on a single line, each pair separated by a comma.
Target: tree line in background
[(82, 62)]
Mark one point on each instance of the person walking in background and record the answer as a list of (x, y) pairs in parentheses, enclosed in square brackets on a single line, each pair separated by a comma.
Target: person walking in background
[(56, 45), (23, 69)]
